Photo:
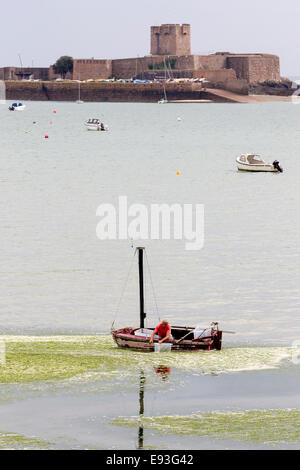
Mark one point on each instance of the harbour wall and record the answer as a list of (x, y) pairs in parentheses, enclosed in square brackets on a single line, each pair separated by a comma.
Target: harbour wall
[(105, 91)]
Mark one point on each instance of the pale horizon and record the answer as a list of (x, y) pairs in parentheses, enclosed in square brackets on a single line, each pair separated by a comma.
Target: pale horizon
[(41, 33)]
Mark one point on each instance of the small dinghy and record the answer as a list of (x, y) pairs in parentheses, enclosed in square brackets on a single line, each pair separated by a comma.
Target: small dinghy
[(95, 125), (17, 107), (254, 162), (183, 338)]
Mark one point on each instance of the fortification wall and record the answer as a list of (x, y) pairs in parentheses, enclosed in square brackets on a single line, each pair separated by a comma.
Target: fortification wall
[(104, 91), (267, 67), (255, 68), (129, 68), (215, 75), (210, 62), (84, 69), (240, 65), (17, 73), (251, 67), (7, 73)]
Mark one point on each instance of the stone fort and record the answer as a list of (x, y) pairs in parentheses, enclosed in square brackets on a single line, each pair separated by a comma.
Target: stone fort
[(171, 45), (170, 57)]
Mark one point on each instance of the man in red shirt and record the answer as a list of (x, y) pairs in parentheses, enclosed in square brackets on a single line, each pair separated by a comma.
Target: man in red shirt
[(163, 330)]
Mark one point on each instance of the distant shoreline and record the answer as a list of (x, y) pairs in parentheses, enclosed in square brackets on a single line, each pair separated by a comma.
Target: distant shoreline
[(128, 92)]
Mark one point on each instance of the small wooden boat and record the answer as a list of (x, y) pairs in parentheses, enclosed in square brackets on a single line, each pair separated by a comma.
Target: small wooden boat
[(254, 162), (183, 338)]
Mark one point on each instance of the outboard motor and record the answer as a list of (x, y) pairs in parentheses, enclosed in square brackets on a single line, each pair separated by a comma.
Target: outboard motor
[(277, 166), (11, 108)]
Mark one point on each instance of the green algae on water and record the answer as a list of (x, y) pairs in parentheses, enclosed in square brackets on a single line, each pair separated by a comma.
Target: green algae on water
[(258, 426), (32, 359), (36, 358), (14, 441)]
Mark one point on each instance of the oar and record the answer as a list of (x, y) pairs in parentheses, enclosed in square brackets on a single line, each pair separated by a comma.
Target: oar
[(181, 339), (230, 332)]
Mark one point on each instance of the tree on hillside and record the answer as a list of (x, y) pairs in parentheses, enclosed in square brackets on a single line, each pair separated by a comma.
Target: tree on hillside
[(63, 65)]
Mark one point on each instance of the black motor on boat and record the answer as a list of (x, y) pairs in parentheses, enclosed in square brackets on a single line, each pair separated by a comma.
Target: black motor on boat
[(11, 108), (277, 166)]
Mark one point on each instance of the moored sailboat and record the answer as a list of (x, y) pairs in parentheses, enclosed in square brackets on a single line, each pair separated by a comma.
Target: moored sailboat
[(79, 101), (164, 99)]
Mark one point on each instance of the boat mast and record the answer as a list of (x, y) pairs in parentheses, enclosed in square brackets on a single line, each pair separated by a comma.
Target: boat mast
[(141, 284)]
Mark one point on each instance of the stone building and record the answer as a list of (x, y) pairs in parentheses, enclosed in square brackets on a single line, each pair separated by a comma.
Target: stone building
[(170, 57), (24, 73)]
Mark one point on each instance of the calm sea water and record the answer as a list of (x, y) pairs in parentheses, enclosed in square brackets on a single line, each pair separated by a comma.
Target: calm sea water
[(56, 277)]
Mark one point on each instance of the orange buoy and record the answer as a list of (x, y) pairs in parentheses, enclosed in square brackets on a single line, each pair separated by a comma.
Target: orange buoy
[(178, 173)]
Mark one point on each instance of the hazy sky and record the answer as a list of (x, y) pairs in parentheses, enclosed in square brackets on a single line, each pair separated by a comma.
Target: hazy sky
[(41, 31)]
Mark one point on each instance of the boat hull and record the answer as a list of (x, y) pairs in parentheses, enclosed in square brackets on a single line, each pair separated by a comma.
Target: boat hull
[(248, 167), (125, 338), (96, 128), (17, 108)]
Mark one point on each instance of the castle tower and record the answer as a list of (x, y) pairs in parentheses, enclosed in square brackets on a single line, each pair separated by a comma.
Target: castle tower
[(171, 39)]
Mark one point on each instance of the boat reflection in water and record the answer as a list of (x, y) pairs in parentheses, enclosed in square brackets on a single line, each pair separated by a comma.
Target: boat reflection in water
[(163, 372)]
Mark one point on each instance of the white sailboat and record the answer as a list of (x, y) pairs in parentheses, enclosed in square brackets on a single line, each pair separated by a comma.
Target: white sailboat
[(164, 99)]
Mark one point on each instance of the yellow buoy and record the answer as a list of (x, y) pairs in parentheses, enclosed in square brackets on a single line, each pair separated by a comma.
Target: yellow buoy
[(178, 173)]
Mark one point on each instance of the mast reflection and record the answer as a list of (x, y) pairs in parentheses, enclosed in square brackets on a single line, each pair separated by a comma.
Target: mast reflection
[(163, 372), (141, 410)]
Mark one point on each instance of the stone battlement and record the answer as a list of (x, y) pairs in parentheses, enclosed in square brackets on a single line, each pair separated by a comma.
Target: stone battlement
[(171, 39)]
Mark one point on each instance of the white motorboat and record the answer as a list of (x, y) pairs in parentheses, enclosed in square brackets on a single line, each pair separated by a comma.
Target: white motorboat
[(254, 162), (95, 125), (17, 107)]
